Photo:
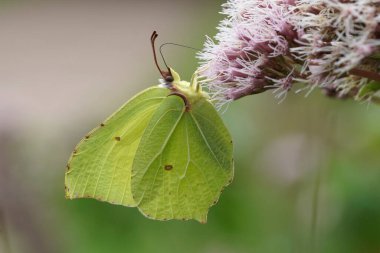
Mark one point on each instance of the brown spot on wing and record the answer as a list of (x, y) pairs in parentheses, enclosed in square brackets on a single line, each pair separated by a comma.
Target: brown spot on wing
[(117, 138), (168, 167)]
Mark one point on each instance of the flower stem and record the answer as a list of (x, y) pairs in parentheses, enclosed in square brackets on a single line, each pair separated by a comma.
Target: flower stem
[(365, 73)]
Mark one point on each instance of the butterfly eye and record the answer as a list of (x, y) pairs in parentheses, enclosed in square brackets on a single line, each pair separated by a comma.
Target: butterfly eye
[(169, 79)]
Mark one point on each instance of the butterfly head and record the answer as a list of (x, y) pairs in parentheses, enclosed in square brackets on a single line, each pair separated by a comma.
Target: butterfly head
[(192, 90)]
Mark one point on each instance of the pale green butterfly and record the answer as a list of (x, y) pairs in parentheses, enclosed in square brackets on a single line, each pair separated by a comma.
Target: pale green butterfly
[(166, 152)]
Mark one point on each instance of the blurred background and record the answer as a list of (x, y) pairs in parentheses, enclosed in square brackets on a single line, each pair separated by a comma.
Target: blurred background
[(307, 170)]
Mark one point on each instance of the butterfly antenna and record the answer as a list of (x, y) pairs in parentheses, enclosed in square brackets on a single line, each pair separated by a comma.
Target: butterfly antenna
[(174, 44), (178, 45), (165, 74)]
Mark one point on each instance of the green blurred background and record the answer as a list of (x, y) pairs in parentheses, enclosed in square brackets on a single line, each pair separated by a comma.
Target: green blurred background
[(307, 170)]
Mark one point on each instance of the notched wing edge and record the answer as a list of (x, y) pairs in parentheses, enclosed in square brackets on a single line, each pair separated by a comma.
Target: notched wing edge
[(229, 175)]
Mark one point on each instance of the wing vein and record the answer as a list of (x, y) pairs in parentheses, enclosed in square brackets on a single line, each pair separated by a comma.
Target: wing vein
[(162, 148), (205, 140), (102, 166)]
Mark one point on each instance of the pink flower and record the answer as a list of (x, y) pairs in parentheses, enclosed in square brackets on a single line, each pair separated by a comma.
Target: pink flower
[(273, 44)]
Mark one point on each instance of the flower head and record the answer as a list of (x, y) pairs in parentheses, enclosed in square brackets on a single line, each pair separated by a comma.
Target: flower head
[(272, 44)]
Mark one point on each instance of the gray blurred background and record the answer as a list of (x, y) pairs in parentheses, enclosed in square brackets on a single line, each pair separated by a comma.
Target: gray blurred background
[(307, 173)]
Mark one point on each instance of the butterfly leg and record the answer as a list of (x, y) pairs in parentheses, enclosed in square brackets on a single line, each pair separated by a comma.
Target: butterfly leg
[(184, 98)]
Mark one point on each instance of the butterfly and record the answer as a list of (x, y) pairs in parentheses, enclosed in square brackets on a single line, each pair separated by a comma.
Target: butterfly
[(166, 151)]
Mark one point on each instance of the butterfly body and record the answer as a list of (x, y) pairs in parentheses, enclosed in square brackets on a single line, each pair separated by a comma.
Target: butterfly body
[(166, 152)]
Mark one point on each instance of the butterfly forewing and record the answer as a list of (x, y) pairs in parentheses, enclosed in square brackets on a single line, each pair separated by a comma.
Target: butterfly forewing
[(100, 166)]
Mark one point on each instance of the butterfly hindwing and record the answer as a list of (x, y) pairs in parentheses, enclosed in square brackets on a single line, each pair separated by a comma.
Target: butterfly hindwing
[(183, 161), (100, 166)]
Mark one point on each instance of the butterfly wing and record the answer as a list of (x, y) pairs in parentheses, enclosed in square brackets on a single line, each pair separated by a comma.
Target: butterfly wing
[(183, 162), (100, 166)]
